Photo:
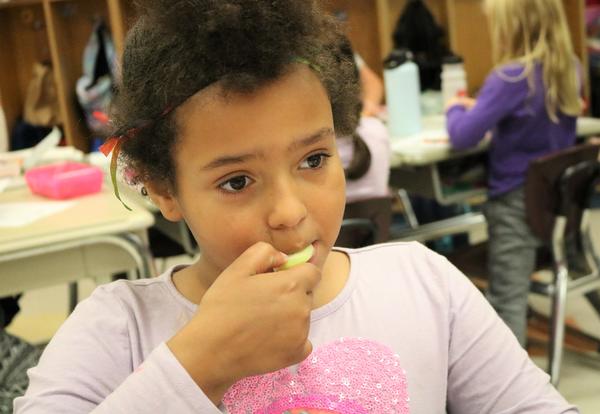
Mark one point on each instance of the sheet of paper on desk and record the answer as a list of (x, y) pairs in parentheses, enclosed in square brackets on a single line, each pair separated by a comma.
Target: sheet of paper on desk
[(422, 140), (4, 183), (433, 135), (12, 182), (22, 214)]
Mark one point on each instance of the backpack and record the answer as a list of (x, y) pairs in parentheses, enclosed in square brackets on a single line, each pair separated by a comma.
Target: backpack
[(95, 88)]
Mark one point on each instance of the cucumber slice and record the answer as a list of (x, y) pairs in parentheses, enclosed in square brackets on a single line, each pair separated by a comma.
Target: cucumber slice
[(300, 257)]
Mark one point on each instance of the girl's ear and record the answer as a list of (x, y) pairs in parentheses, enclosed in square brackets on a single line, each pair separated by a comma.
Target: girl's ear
[(163, 198)]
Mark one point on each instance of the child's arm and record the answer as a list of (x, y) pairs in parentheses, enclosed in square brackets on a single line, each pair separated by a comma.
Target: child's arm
[(251, 321), (488, 371), (463, 101), (248, 323), (89, 367), (497, 99), (372, 91)]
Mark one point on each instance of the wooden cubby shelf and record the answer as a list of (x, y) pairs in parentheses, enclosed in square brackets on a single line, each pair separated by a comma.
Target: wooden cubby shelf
[(56, 31), (371, 24)]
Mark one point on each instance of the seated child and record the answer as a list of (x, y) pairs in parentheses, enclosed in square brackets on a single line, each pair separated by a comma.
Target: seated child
[(365, 154), (228, 112)]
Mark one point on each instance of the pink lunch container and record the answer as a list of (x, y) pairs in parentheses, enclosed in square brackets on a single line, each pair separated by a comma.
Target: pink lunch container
[(65, 180)]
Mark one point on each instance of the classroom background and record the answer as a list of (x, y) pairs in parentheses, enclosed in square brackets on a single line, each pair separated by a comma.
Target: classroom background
[(63, 232)]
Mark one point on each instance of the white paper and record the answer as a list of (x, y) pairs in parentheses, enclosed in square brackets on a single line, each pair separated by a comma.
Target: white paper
[(50, 141), (12, 182), (22, 214), (4, 183)]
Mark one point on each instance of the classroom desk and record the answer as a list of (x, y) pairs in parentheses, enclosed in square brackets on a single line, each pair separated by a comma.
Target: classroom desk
[(417, 165), (431, 144), (416, 160), (93, 238)]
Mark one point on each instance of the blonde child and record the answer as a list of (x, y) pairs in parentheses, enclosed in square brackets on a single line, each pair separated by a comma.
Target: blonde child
[(530, 101), (228, 112)]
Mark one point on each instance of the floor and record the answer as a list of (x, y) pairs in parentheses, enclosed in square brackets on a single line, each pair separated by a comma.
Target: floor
[(579, 380), (44, 310)]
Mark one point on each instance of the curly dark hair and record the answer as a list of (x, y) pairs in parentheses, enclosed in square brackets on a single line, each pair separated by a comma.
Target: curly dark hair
[(178, 47)]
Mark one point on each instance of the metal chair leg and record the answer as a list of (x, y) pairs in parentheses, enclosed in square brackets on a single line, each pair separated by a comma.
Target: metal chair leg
[(409, 213), (557, 323), (559, 298)]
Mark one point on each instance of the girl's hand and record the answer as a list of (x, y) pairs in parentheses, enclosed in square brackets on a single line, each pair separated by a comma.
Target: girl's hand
[(370, 108), (465, 101), (249, 322)]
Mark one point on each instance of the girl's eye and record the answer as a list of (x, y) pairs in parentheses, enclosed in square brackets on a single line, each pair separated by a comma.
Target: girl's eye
[(235, 184), (314, 161)]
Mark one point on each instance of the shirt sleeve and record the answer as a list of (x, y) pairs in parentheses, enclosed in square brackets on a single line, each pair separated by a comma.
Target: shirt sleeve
[(488, 371), (87, 367), (498, 97)]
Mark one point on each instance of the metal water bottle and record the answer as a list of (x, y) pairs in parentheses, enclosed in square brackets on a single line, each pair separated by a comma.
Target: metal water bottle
[(402, 93), (454, 78)]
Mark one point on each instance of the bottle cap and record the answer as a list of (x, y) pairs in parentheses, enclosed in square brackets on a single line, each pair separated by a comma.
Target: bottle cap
[(397, 57)]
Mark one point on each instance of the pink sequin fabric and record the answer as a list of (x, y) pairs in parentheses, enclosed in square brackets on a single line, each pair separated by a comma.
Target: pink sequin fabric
[(348, 376)]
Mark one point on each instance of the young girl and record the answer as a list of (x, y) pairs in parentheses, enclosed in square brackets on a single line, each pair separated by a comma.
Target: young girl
[(530, 100), (229, 110), (365, 154)]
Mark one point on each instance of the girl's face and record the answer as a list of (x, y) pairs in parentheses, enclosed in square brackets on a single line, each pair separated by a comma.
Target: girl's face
[(258, 167)]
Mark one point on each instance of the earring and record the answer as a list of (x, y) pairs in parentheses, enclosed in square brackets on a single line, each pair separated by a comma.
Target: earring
[(144, 191)]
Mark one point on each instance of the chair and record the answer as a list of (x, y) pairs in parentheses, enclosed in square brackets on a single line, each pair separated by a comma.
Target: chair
[(366, 222), (558, 192)]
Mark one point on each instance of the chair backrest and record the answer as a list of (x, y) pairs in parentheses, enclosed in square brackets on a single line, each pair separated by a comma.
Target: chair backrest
[(577, 186), (366, 222), (560, 184)]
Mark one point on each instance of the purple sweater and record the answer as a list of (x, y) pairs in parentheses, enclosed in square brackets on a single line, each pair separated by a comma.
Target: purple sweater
[(522, 130), (417, 335)]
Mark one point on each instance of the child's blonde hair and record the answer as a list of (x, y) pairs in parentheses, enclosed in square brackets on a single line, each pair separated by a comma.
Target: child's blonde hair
[(532, 31)]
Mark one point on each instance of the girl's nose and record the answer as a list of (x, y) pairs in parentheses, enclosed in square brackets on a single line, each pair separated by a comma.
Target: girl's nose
[(287, 210)]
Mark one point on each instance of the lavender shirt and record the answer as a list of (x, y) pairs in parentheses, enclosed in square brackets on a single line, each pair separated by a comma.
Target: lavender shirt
[(522, 130), (451, 349), (375, 182)]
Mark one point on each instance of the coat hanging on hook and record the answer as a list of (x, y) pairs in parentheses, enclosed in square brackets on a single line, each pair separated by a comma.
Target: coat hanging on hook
[(95, 88), (417, 31), (41, 102)]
